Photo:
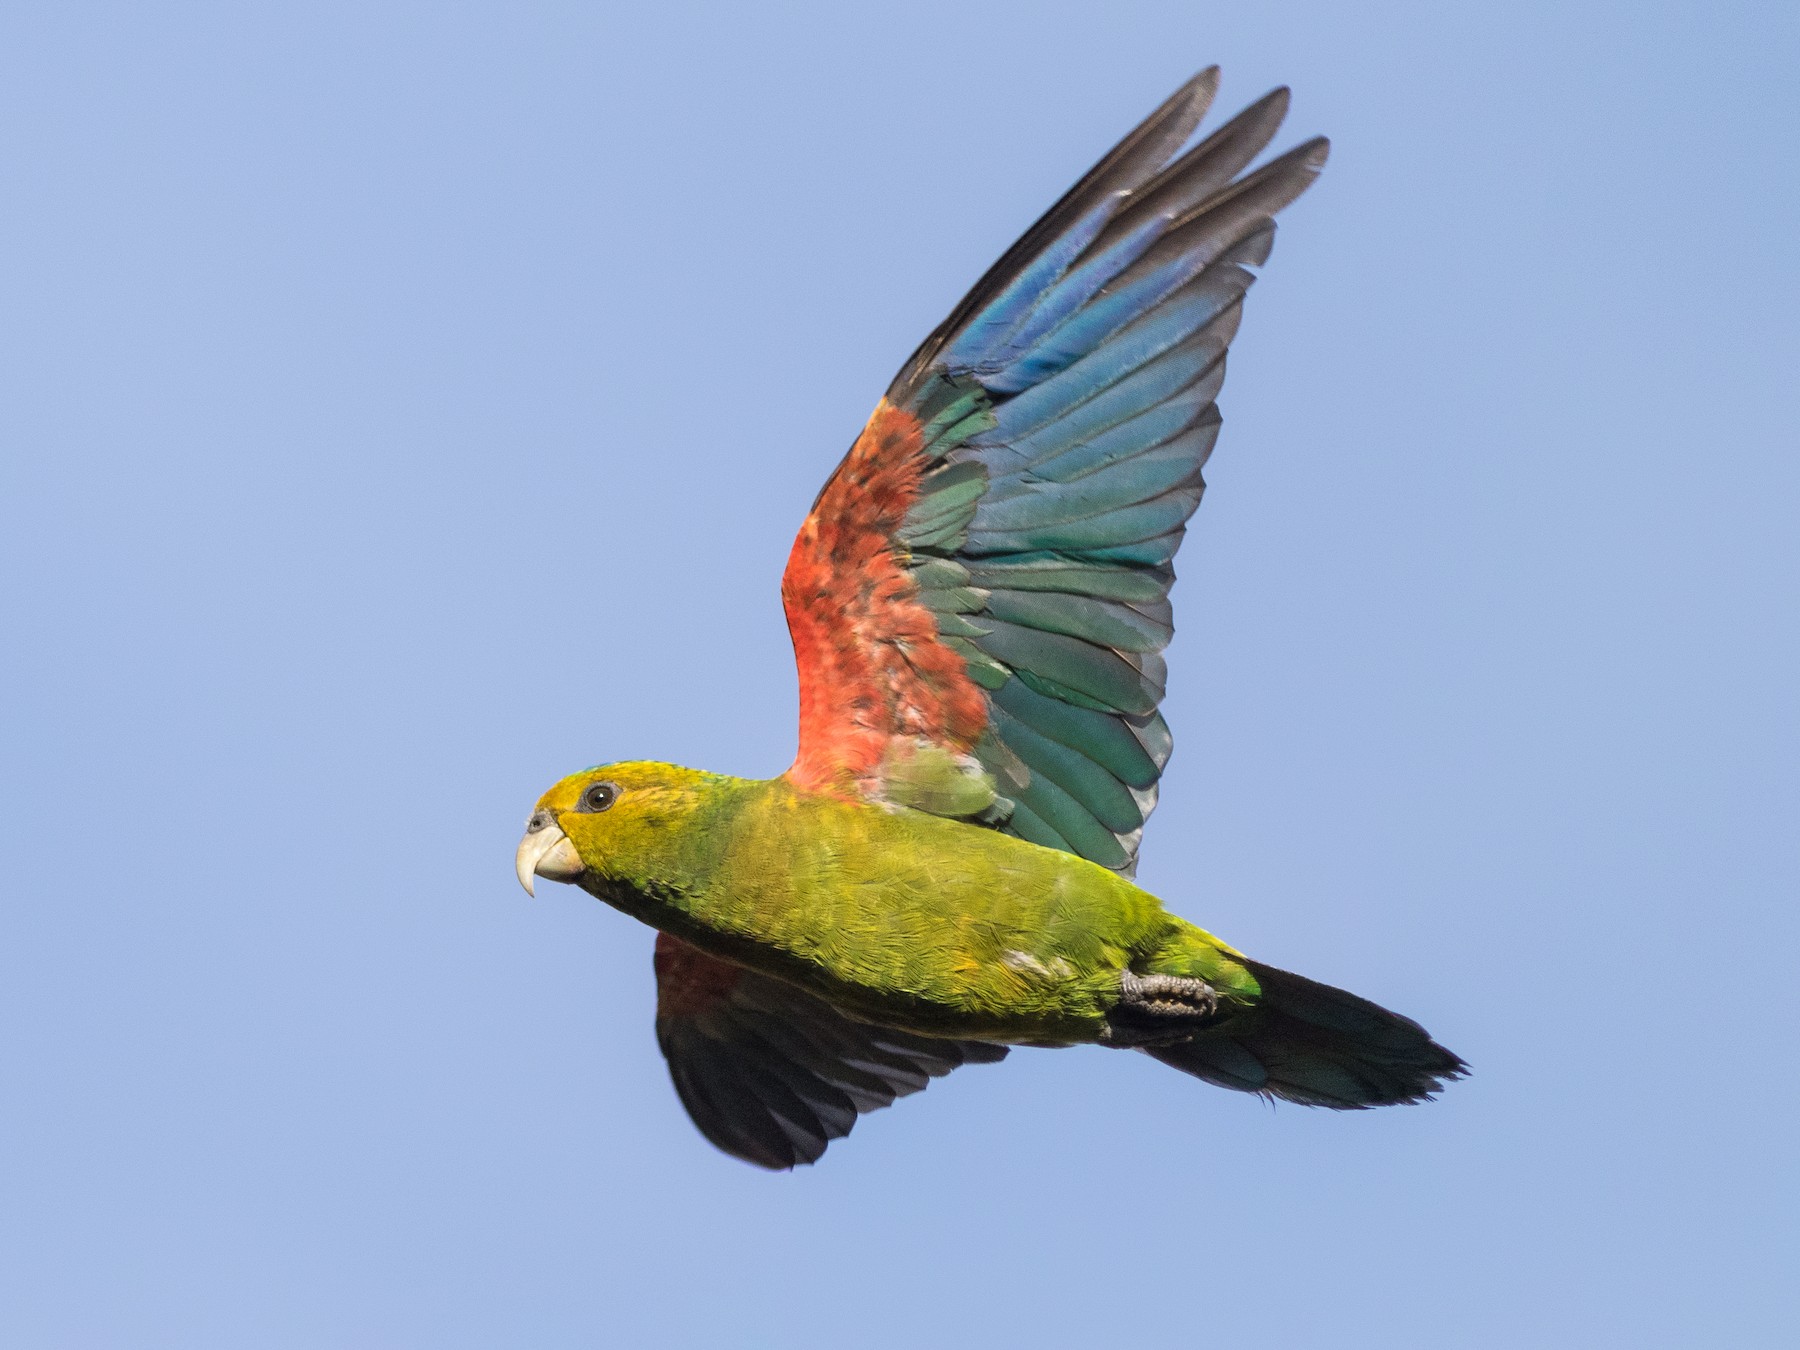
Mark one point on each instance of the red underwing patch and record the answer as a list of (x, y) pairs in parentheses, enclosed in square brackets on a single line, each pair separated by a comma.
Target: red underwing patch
[(688, 981)]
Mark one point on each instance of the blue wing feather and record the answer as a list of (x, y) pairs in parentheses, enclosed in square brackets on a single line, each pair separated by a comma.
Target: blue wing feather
[(1069, 295), (1068, 405), (1158, 425), (1014, 304)]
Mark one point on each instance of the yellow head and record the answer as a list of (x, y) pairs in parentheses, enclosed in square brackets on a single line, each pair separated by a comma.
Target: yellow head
[(611, 821)]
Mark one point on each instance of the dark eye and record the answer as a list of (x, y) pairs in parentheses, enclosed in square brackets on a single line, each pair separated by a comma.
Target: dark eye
[(599, 796)]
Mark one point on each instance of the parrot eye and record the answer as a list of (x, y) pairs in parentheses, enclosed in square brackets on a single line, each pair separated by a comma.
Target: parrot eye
[(598, 796)]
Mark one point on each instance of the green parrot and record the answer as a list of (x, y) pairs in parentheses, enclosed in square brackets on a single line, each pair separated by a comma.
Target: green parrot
[(978, 603)]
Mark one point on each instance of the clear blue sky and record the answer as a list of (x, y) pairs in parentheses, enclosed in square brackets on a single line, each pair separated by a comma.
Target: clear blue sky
[(404, 405)]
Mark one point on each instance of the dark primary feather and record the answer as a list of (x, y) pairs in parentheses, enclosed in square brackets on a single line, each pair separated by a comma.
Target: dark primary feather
[(1068, 404), (772, 1075), (1140, 154)]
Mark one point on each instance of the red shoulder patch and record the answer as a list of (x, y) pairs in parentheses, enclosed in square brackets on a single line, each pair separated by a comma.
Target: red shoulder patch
[(871, 664)]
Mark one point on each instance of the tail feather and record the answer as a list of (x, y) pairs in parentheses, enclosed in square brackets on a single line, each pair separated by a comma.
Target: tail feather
[(1310, 1043)]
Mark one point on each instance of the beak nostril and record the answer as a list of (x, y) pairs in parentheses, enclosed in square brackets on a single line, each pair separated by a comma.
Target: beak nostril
[(538, 820)]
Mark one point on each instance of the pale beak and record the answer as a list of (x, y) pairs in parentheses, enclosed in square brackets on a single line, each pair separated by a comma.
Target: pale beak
[(545, 851)]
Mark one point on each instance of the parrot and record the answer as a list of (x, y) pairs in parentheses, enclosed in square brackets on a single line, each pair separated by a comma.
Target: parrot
[(978, 604)]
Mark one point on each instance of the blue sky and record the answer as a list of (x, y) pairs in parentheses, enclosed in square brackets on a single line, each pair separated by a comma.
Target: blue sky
[(405, 405)]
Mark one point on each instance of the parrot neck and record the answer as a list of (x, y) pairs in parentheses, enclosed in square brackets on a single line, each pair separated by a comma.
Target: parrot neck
[(737, 867), (679, 865)]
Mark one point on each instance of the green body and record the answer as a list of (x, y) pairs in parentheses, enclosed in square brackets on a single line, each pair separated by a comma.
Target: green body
[(906, 918)]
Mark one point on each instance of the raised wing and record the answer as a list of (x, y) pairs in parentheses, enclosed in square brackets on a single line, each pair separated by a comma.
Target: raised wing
[(979, 598), (771, 1074)]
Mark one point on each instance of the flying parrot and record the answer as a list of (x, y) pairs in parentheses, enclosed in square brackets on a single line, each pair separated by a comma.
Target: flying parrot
[(978, 604)]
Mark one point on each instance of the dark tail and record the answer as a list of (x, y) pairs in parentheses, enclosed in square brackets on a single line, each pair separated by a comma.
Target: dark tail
[(1309, 1043)]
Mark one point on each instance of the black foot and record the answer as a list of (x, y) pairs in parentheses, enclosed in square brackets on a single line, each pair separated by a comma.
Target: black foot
[(1158, 1010)]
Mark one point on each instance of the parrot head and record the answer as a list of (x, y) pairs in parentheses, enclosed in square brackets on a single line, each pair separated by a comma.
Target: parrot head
[(608, 821)]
